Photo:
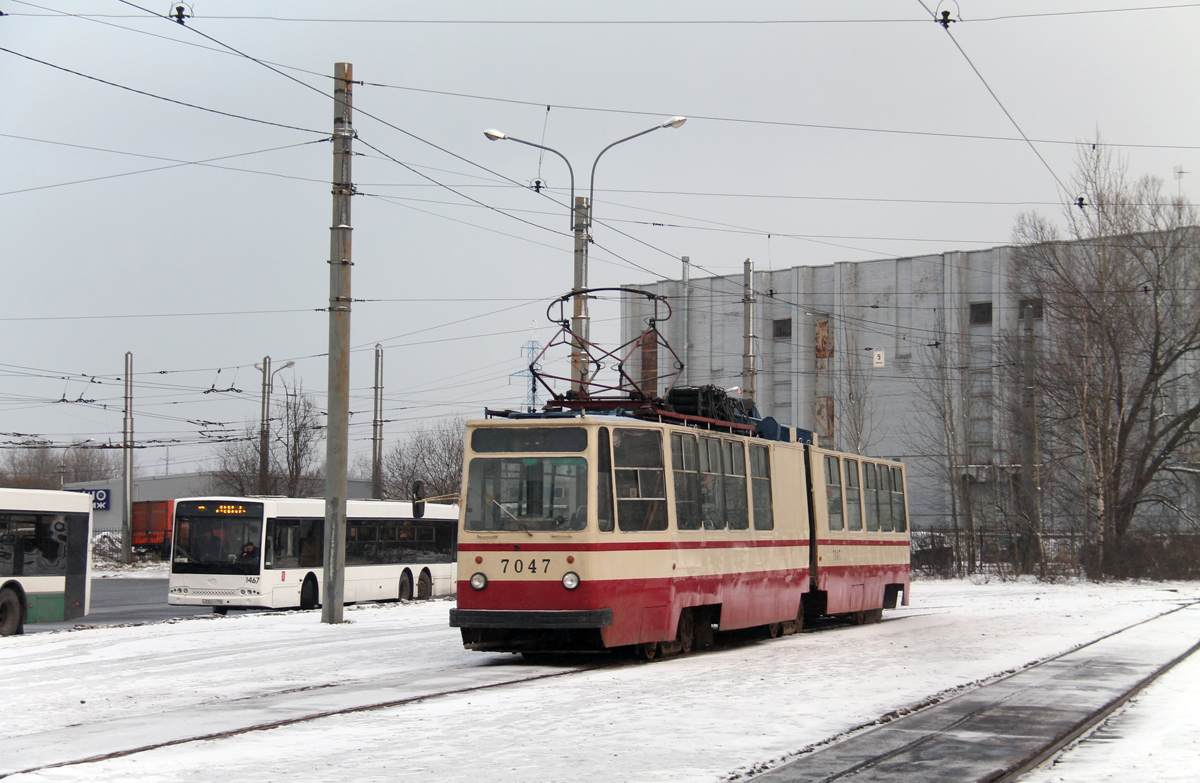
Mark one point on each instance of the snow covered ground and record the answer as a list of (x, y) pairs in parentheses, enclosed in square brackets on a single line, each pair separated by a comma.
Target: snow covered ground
[(709, 717)]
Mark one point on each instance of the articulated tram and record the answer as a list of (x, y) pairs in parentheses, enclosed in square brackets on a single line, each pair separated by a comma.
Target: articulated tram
[(591, 530)]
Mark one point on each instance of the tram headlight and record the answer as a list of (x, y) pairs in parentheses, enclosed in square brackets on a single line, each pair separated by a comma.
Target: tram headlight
[(478, 581), (570, 580)]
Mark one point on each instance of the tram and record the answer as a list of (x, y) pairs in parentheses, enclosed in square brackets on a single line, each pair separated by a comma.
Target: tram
[(634, 521)]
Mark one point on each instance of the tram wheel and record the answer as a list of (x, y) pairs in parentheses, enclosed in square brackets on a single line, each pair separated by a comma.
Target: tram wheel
[(424, 586), (10, 613), (648, 651), (687, 631), (774, 630)]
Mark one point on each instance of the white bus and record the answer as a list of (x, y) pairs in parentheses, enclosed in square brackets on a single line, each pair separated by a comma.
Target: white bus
[(45, 557), (231, 552)]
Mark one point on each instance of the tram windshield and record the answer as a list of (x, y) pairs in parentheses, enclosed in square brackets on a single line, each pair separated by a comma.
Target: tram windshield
[(215, 537), (526, 493)]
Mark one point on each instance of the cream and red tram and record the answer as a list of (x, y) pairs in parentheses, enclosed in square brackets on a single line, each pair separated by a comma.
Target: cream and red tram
[(646, 522), (602, 531)]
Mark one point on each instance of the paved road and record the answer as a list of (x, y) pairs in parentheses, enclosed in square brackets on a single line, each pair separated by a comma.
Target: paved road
[(116, 601), (998, 731)]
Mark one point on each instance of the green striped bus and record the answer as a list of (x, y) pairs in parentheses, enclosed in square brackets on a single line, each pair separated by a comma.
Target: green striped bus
[(45, 557)]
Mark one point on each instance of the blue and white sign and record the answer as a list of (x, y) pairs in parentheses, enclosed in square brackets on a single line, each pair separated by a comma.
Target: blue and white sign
[(99, 499)]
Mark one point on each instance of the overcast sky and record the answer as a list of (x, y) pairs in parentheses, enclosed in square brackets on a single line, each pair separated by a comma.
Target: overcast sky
[(818, 132)]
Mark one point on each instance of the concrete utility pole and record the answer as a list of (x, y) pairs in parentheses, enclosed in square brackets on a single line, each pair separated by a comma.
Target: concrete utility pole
[(127, 451), (264, 429), (377, 428), (687, 320), (580, 321), (338, 436), (749, 369)]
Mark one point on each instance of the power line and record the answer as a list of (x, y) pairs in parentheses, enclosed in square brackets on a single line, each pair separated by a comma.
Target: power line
[(160, 97), (995, 97)]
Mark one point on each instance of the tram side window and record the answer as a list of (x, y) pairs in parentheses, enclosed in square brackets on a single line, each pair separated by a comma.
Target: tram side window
[(885, 498), (760, 487), (712, 485), (294, 543), (871, 496), (685, 461), (641, 485), (833, 491), (853, 496), (898, 515), (604, 486), (736, 506)]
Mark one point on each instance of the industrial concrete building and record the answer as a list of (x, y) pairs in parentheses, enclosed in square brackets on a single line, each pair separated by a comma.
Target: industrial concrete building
[(853, 351)]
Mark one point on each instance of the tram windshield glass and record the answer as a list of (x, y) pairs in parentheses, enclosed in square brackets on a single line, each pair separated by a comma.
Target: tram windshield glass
[(217, 537), (526, 493)]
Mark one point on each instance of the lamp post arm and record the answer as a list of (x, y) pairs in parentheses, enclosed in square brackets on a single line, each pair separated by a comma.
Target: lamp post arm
[(570, 170), (674, 122)]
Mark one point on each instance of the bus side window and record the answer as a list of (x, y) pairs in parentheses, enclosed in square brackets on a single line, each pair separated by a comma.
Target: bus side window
[(312, 540), (712, 485), (833, 491), (853, 496), (760, 487), (685, 464), (283, 543), (604, 486)]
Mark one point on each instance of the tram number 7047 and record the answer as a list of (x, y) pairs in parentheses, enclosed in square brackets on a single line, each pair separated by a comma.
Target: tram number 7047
[(525, 566)]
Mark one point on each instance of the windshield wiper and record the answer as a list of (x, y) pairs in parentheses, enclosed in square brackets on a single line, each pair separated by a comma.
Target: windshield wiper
[(519, 523)]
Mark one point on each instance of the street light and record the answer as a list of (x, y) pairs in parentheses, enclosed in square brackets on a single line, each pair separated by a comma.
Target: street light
[(581, 221), (264, 431), (62, 467)]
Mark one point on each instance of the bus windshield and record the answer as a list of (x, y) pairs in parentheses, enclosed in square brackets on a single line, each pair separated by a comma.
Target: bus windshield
[(217, 537), (526, 493)]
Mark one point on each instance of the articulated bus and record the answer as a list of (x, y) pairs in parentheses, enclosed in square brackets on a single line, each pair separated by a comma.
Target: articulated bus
[(241, 552), (45, 557), (589, 531)]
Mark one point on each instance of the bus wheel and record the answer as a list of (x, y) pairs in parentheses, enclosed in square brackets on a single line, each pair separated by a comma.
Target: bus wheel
[(308, 593), (406, 587), (10, 613), (424, 586)]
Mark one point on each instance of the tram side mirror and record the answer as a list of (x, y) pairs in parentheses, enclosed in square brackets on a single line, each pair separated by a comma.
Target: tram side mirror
[(418, 498)]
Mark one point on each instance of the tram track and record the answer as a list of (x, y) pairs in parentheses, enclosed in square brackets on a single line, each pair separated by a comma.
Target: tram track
[(281, 708), (260, 702), (996, 731)]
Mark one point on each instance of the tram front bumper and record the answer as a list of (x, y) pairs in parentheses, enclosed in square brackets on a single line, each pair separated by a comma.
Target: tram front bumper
[(531, 620)]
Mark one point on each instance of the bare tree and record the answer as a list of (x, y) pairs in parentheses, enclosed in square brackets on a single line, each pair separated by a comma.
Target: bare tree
[(234, 469), (46, 467), (294, 458), (434, 454), (941, 385), (1117, 382), (857, 426)]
